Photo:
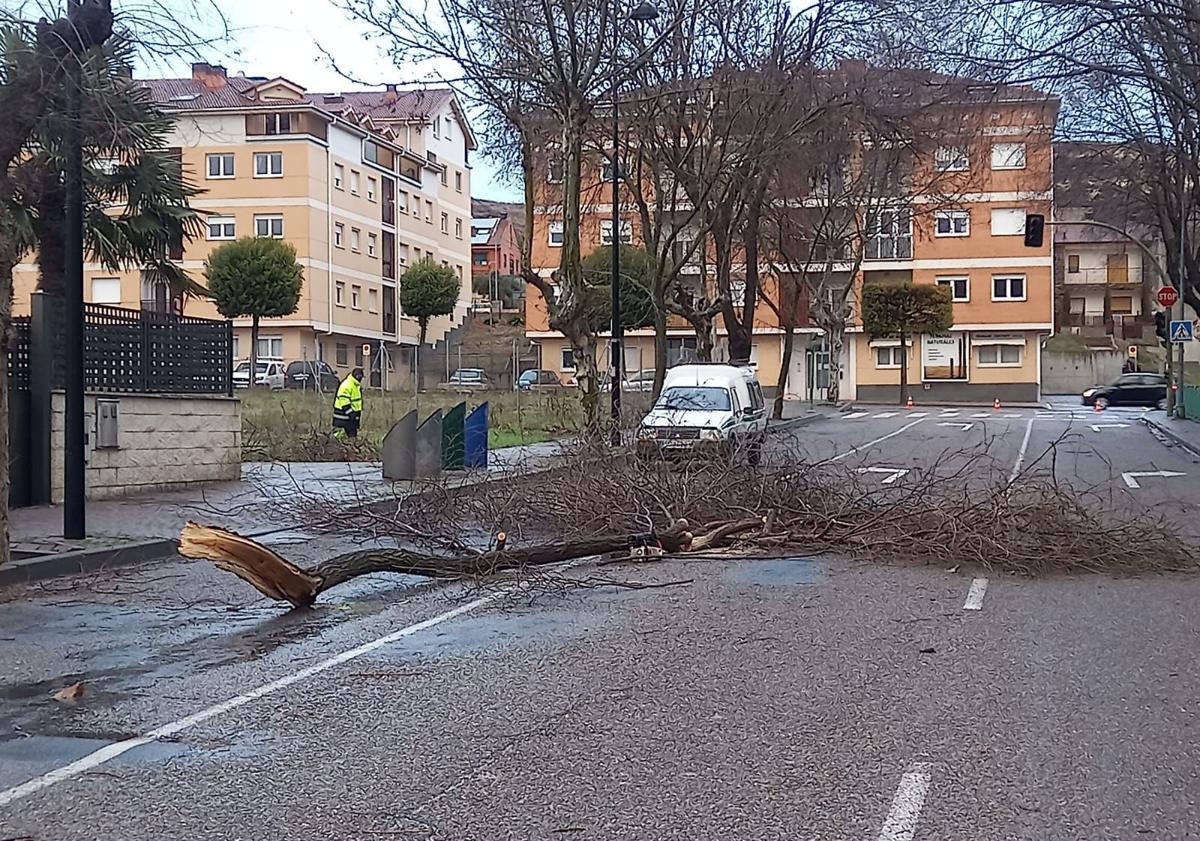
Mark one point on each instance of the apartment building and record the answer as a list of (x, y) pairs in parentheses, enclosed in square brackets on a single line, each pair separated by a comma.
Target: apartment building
[(362, 183), (495, 248), (993, 170)]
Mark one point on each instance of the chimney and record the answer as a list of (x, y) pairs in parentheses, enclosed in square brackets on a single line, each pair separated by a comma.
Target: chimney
[(212, 76), (389, 96)]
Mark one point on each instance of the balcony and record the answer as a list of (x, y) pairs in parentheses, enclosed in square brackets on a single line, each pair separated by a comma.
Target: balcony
[(1119, 326), (284, 124), (1114, 274)]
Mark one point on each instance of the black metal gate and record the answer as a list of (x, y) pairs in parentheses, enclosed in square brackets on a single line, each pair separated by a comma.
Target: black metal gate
[(20, 439)]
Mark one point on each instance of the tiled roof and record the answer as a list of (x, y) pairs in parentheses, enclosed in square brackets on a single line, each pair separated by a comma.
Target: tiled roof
[(188, 94)]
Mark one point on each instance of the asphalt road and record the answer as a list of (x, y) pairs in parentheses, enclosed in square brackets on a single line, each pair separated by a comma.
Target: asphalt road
[(804, 698)]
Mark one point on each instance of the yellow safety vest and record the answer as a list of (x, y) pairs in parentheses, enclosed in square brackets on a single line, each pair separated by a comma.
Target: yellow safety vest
[(349, 395)]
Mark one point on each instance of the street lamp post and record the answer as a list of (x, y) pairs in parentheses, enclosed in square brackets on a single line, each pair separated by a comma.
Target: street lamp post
[(643, 13)]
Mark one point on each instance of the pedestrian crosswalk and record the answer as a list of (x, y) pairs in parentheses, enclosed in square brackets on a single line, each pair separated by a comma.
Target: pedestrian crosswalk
[(944, 414), (1085, 412)]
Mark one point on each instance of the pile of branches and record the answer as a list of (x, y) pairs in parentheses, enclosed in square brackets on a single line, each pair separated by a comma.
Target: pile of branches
[(962, 509)]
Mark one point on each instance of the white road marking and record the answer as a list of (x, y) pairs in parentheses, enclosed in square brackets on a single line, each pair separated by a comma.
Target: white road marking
[(856, 415), (1096, 427), (963, 426), (949, 413), (894, 473), (1010, 415), (1131, 478), (982, 415), (1016, 471), (887, 414), (861, 447), (901, 823), (917, 414), (975, 595), (109, 752)]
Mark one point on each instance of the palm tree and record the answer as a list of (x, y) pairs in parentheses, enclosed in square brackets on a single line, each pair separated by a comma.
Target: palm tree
[(136, 210)]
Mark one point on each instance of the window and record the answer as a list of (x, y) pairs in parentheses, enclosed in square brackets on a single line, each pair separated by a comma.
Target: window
[(556, 233), (1122, 305), (445, 178), (1008, 287), (268, 164), (358, 355), (458, 181), (458, 228), (448, 126), (995, 356), (952, 158), (960, 287), (445, 223), (889, 235), (221, 227), (269, 225), (355, 239), (354, 182), (1008, 156), (568, 359), (402, 201), (372, 239), (888, 357), (339, 293), (106, 290), (480, 258), (1073, 263), (429, 212), (279, 124), (606, 232), (402, 253), (355, 297), (952, 223), (1008, 221), (554, 171), (370, 188), (372, 300), (220, 166), (459, 270), (437, 126), (606, 171), (270, 347), (340, 355), (339, 231), (339, 175)]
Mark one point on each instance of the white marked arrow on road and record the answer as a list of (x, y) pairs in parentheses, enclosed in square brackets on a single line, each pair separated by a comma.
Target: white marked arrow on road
[(1096, 427), (963, 426), (894, 473), (1131, 478)]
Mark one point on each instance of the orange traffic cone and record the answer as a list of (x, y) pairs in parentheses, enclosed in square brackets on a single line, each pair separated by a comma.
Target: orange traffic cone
[(996, 405), (909, 404), (1096, 407)]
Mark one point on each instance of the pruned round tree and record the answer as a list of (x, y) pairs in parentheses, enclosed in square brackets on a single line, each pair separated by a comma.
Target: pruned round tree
[(905, 310), (427, 289), (637, 274), (254, 277)]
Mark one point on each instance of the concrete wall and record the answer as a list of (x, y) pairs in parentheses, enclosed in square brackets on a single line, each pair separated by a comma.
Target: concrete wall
[(164, 442), (1071, 373)]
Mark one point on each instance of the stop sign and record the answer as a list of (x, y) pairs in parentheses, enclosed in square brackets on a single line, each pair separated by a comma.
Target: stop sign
[(1167, 297)]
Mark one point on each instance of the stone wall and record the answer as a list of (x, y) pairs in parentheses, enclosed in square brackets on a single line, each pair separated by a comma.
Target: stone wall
[(164, 442), (1071, 373)]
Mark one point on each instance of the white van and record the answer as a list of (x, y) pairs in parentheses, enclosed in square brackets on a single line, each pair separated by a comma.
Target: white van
[(706, 408)]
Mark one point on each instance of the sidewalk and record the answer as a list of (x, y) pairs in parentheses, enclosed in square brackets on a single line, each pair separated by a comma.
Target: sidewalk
[(797, 413), (1184, 433), (256, 503)]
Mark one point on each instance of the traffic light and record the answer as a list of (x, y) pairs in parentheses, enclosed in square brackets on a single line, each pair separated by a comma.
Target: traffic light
[(1035, 228), (1161, 327)]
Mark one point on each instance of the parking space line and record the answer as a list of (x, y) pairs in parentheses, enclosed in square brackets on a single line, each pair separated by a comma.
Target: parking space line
[(901, 823), (975, 594), (861, 447), (1016, 471), (110, 752)]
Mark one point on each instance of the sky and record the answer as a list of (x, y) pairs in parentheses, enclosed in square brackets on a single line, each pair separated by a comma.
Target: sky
[(277, 38)]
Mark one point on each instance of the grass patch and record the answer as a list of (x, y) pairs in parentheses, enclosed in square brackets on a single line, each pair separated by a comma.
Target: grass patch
[(295, 425)]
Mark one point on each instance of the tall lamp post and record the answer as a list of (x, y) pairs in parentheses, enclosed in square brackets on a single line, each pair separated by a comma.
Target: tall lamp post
[(644, 13)]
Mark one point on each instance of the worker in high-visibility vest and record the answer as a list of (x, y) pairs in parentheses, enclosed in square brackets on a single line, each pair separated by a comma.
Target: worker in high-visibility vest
[(347, 406)]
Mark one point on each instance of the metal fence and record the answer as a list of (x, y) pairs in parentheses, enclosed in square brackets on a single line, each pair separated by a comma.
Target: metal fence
[(18, 354)]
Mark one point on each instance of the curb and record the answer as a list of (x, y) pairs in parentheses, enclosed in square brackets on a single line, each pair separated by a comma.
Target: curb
[(1179, 440), (41, 567)]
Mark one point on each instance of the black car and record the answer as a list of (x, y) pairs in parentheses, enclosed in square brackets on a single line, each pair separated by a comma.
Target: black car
[(1129, 390), (310, 374)]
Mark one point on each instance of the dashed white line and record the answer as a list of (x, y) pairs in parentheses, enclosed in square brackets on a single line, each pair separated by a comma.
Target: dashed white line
[(887, 414), (856, 415), (1016, 471), (917, 414), (949, 413), (861, 447), (982, 415), (109, 752), (975, 594), (901, 823)]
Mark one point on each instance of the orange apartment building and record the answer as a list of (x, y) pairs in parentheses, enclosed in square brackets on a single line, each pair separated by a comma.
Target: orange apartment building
[(969, 238), (362, 183)]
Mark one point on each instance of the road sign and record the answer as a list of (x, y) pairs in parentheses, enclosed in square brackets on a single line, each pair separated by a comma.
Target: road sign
[(1181, 331), (1133, 351), (366, 349), (1166, 296)]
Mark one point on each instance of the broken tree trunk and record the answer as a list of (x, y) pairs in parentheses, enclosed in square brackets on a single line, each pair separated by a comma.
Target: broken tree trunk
[(277, 578)]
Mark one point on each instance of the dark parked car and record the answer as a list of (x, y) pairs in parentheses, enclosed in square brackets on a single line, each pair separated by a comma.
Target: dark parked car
[(535, 379), (1129, 390), (313, 375)]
